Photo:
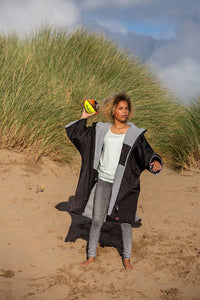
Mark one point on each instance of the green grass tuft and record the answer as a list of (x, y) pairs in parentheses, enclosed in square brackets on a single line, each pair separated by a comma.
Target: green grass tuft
[(46, 76)]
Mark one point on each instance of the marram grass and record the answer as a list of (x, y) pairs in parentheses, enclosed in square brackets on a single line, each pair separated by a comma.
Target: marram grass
[(46, 76)]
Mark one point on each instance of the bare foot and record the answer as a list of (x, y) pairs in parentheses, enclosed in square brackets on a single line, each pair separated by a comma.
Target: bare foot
[(127, 264), (87, 262)]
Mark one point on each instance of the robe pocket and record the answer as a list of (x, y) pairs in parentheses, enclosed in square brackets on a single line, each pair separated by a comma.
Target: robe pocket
[(132, 174)]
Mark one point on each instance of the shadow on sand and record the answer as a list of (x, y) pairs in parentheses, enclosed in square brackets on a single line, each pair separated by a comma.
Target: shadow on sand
[(111, 235)]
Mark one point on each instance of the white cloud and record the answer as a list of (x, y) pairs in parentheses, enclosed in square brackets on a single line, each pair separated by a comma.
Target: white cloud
[(151, 11), (182, 78), (22, 16), (178, 60), (91, 4)]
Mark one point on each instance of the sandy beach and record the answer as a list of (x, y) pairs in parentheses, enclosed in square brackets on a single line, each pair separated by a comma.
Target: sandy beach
[(36, 262)]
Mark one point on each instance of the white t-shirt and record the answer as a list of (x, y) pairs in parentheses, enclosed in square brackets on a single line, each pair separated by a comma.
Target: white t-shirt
[(110, 156)]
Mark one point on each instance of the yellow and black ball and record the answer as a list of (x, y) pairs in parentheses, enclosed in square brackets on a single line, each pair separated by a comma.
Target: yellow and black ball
[(91, 106)]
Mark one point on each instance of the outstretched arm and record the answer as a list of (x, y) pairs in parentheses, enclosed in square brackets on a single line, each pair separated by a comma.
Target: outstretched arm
[(150, 160)]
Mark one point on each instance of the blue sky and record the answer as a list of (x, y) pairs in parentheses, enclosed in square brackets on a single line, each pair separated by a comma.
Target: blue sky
[(154, 29), (164, 34)]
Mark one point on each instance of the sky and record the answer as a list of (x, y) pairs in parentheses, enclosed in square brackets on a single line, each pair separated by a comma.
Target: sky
[(164, 34)]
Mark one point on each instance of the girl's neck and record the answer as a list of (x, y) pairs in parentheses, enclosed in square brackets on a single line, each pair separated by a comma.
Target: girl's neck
[(119, 128)]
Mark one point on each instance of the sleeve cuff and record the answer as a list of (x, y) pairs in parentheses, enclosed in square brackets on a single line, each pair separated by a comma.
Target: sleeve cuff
[(72, 123), (158, 158)]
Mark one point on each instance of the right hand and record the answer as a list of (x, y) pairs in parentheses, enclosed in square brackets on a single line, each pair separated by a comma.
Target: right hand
[(85, 115)]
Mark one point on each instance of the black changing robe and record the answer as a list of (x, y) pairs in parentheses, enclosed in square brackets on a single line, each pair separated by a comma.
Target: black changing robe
[(136, 155)]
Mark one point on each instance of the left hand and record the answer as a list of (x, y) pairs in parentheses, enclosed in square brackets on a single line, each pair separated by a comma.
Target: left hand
[(156, 166)]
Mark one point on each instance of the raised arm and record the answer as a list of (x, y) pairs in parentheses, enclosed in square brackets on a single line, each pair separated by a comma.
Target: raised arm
[(79, 134)]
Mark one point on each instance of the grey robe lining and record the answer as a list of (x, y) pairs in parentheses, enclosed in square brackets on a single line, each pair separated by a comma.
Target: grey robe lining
[(131, 136)]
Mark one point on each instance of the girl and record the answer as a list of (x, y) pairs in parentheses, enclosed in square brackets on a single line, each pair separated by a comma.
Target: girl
[(113, 156)]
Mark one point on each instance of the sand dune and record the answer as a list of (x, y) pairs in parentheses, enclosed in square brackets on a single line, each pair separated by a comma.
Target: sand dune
[(36, 262)]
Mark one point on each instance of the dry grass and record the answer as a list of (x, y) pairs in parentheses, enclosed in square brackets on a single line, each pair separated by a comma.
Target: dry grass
[(46, 76)]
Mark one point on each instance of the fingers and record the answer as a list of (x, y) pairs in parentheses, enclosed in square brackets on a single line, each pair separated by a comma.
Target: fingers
[(86, 115), (156, 166), (156, 169)]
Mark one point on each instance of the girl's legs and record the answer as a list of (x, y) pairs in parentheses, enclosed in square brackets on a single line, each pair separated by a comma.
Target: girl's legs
[(127, 244), (127, 239), (101, 203)]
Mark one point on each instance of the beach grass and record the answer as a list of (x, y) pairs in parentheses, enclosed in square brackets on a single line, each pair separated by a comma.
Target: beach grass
[(46, 76)]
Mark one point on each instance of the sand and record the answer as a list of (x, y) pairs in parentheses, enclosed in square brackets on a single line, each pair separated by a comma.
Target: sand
[(36, 262)]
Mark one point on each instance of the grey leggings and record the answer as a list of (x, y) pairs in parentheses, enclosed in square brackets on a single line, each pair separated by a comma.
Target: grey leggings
[(101, 203)]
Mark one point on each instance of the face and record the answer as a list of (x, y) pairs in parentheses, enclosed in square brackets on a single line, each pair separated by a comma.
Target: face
[(121, 112)]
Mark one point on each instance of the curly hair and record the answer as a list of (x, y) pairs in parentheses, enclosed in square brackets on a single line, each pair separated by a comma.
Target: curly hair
[(111, 103)]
